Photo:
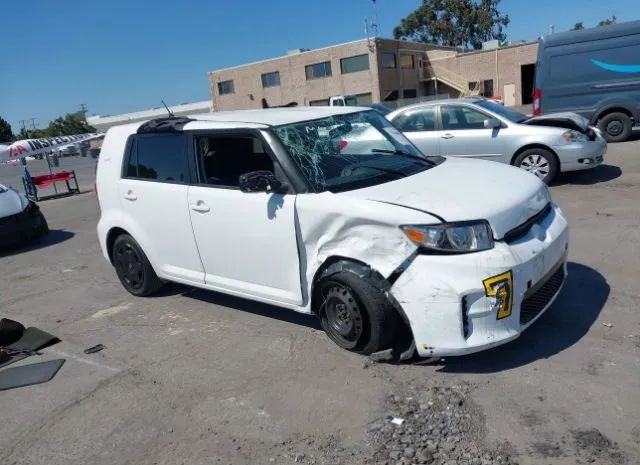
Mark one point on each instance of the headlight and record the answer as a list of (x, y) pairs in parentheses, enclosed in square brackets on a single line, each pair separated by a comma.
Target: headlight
[(467, 236), (574, 136)]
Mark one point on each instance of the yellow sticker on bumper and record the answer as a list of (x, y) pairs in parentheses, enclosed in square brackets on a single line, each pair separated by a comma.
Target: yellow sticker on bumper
[(501, 287)]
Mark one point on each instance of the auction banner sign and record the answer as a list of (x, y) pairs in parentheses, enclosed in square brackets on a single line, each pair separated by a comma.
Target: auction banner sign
[(31, 147)]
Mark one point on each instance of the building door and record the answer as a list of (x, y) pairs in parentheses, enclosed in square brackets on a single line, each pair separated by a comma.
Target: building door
[(527, 75), (509, 95)]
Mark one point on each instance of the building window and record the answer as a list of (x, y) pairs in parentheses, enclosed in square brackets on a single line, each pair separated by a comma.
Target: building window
[(407, 62), (225, 87), (389, 60), (391, 96), (319, 70), (409, 93), (487, 88), (353, 64), (271, 79), (319, 103)]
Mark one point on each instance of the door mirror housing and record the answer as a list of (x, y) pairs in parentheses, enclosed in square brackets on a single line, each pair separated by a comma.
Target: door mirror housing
[(492, 123), (261, 181)]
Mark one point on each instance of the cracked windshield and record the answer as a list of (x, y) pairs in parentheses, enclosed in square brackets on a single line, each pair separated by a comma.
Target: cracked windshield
[(351, 151)]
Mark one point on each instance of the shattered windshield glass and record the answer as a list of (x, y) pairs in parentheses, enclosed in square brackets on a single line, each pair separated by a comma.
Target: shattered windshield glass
[(351, 151)]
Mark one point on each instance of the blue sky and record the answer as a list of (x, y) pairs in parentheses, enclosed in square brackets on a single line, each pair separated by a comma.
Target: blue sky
[(118, 56)]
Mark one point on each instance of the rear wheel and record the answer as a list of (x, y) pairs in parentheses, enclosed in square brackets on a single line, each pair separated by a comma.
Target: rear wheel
[(355, 314), (615, 127), (540, 162), (133, 268)]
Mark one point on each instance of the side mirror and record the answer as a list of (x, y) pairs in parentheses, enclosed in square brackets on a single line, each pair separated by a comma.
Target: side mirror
[(492, 123), (261, 181)]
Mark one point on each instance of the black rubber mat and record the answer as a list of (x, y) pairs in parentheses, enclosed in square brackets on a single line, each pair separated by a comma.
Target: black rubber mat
[(28, 375), (10, 331), (32, 339)]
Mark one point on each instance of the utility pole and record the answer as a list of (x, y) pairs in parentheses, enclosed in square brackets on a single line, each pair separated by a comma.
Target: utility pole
[(83, 109)]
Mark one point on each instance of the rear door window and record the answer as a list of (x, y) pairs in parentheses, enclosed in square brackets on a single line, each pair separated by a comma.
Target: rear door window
[(159, 157), (423, 119)]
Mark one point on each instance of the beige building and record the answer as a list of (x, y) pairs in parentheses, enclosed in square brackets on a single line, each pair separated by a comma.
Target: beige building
[(376, 70)]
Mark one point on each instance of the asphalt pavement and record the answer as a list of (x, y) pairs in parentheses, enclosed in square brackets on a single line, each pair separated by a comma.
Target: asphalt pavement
[(198, 377)]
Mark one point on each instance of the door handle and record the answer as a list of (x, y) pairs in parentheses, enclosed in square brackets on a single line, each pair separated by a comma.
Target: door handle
[(448, 136), (200, 207), (130, 196)]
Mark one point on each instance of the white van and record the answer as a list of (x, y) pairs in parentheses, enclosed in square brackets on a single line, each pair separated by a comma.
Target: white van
[(277, 206)]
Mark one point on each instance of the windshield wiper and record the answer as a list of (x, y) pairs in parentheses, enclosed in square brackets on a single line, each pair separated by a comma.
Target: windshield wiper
[(403, 154)]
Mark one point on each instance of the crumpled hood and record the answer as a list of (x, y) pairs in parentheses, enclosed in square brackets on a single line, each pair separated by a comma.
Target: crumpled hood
[(462, 189), (566, 120), (11, 202)]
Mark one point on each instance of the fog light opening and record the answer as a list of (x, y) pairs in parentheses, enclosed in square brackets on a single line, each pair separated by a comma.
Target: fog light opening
[(585, 161), (466, 330)]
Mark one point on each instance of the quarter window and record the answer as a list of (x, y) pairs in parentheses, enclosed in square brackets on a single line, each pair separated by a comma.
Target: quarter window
[(225, 87), (389, 60), (460, 118), (407, 62), (354, 64), (319, 70), (271, 79), (159, 157)]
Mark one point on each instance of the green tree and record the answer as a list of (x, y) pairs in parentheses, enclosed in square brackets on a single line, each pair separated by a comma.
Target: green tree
[(465, 23), (6, 135), (71, 123), (608, 21), (577, 26)]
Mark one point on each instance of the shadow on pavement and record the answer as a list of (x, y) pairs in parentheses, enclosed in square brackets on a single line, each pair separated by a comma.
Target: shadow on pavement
[(602, 173), (565, 323), (55, 236), (248, 306)]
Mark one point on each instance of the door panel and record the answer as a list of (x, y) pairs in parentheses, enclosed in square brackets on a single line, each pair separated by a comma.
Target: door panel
[(153, 197), (463, 134), (247, 242), (158, 212)]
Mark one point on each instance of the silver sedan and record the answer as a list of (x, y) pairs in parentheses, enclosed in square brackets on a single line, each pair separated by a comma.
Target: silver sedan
[(480, 128)]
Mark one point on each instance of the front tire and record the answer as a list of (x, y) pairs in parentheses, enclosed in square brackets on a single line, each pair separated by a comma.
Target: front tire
[(540, 162), (615, 127), (133, 268), (355, 313)]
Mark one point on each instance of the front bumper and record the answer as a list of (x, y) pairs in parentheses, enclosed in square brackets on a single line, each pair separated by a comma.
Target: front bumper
[(447, 304), (22, 226), (581, 155)]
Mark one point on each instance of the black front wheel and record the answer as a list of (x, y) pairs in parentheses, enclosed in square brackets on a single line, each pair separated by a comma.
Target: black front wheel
[(133, 268), (355, 313)]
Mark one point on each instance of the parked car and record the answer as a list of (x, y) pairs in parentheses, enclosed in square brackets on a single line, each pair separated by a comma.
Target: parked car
[(479, 128), (265, 205), (595, 73), (20, 219)]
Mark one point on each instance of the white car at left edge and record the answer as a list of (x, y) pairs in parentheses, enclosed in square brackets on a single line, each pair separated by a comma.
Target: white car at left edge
[(20, 219)]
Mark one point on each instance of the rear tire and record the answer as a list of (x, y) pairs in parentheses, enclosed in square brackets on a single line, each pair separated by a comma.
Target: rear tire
[(539, 162), (355, 313), (133, 268), (615, 127)]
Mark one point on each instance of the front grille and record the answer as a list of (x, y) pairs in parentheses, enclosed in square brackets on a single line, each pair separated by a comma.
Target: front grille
[(519, 231), (540, 296)]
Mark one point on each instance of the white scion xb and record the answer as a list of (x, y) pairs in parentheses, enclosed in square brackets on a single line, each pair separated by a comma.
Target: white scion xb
[(292, 208)]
